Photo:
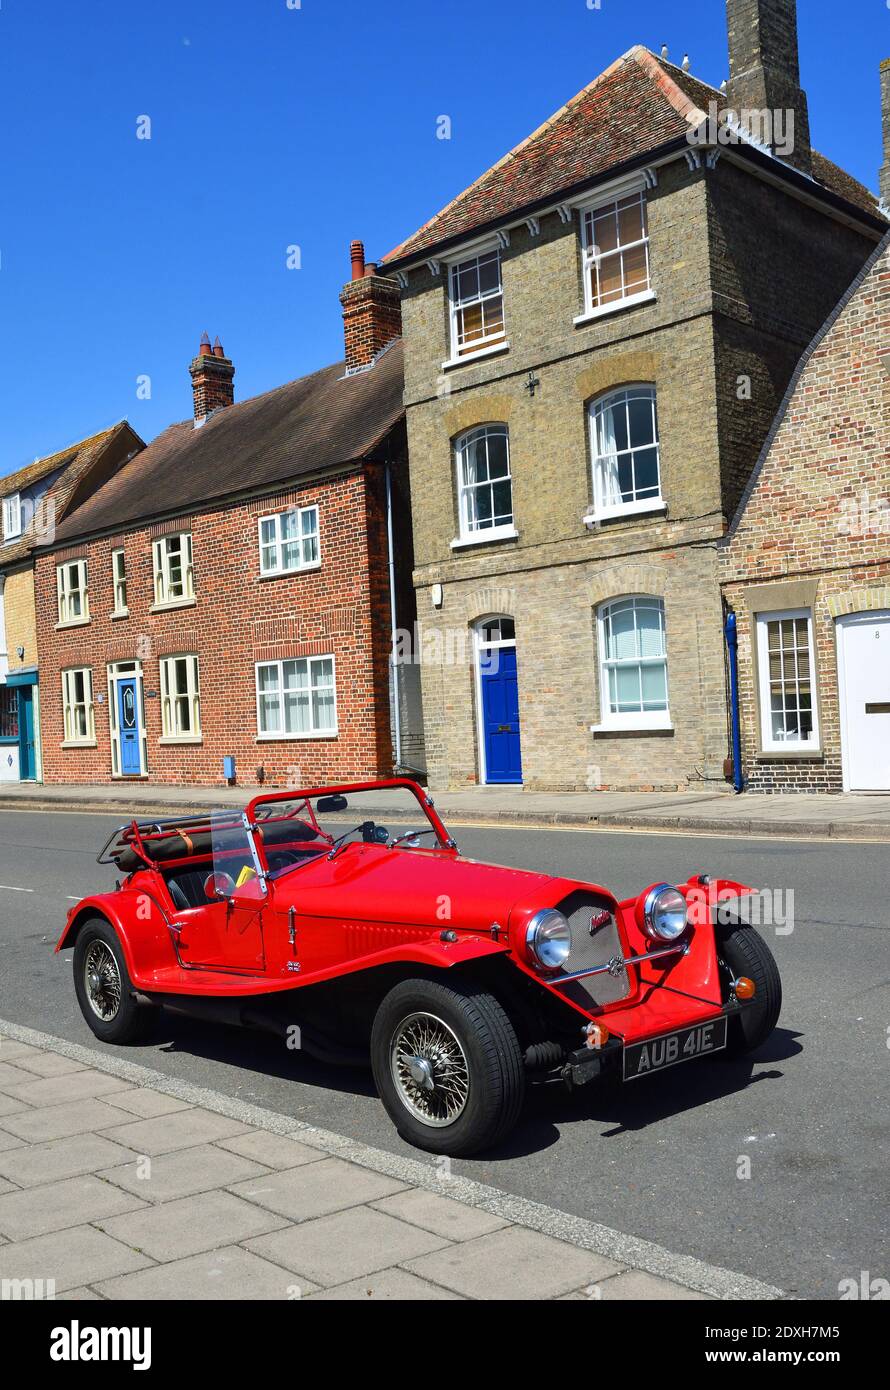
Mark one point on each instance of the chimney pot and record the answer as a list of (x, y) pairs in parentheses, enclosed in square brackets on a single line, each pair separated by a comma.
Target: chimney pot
[(213, 378), (372, 311), (357, 256), (764, 76)]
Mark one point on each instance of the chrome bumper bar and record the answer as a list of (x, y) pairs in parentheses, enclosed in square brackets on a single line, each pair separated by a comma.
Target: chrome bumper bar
[(615, 966)]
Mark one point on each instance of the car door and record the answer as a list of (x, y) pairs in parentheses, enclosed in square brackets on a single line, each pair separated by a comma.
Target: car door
[(226, 931)]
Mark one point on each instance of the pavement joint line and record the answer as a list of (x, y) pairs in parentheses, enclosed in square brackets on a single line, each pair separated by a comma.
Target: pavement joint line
[(626, 1250)]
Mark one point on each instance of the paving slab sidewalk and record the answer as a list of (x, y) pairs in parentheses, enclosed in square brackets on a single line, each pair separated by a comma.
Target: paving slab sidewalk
[(709, 811), (165, 1190)]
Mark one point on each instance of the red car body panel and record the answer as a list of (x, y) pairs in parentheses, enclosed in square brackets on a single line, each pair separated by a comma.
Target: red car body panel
[(373, 905)]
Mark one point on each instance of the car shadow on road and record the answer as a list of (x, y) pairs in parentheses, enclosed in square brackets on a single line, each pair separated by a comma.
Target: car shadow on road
[(619, 1109), (649, 1100), (615, 1108), (251, 1051)]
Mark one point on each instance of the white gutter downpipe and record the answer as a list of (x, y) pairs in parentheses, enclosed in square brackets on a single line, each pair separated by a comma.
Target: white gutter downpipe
[(396, 691)]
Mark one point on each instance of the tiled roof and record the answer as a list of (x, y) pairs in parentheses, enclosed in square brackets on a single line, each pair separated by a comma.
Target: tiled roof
[(637, 105), (316, 423), (70, 465), (41, 468)]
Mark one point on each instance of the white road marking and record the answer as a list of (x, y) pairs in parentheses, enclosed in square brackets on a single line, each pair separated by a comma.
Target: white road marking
[(11, 888)]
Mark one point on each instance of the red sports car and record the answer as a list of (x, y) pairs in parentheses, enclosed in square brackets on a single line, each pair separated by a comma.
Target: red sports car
[(326, 915)]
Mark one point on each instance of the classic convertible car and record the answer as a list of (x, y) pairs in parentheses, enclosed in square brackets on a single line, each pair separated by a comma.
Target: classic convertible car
[(309, 915)]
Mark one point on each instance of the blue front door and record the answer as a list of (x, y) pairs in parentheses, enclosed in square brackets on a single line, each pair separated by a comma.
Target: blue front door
[(27, 754), (500, 714), (128, 723)]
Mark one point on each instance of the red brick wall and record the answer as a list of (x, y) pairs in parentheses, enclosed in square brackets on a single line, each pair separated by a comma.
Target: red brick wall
[(238, 618), (820, 509), (372, 317)]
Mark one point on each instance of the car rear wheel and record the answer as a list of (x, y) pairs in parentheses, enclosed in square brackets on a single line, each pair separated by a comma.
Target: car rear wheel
[(742, 951), (447, 1066), (103, 987)]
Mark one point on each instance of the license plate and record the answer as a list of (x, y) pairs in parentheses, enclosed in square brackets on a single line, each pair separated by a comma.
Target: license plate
[(641, 1059)]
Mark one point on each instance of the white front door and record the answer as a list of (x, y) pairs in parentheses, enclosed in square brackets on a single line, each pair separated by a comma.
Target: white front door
[(864, 676)]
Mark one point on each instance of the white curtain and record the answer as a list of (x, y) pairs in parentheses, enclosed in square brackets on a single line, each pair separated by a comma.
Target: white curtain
[(607, 458)]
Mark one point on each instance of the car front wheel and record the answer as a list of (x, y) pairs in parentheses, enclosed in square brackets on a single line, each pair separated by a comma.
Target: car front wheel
[(103, 987), (741, 951), (447, 1066)]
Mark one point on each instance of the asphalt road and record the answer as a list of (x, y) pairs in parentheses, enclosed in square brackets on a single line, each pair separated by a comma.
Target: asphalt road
[(659, 1158)]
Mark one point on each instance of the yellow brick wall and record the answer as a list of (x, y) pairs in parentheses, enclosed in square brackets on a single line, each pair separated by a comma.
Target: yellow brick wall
[(21, 618)]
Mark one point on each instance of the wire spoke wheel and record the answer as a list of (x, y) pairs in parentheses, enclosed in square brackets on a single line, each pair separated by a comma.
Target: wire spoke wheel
[(102, 981), (430, 1070)]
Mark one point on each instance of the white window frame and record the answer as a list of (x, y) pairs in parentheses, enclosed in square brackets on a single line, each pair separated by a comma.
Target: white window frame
[(282, 733), (768, 742), (66, 592), (634, 719), (278, 542), (591, 259), (467, 533), (119, 583), (605, 504), (12, 516), (70, 705), (172, 730), (492, 342), (161, 556)]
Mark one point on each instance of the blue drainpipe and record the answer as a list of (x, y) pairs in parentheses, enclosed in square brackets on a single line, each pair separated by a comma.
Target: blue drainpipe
[(732, 642)]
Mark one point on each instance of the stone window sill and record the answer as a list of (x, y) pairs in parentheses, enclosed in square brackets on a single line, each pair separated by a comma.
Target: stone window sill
[(477, 356), (74, 622), (654, 506), (79, 743), (496, 533), (604, 310), (173, 603), (292, 738), (169, 739)]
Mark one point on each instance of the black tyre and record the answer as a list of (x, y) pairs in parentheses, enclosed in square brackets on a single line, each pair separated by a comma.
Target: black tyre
[(743, 951), (447, 1066), (103, 987)]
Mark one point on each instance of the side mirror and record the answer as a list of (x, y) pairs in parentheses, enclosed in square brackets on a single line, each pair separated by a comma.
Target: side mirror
[(330, 805), (219, 885)]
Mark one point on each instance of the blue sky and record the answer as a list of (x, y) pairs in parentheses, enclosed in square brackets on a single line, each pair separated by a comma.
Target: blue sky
[(275, 126)]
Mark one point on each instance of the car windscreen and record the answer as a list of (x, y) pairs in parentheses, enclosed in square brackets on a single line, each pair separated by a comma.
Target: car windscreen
[(379, 815)]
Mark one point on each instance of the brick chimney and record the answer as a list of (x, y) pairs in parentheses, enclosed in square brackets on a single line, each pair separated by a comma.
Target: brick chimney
[(885, 119), (764, 76), (372, 311), (213, 378)]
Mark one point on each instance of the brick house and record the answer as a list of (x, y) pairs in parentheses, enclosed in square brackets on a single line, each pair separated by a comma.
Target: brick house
[(598, 334), (231, 592), (806, 562), (34, 500)]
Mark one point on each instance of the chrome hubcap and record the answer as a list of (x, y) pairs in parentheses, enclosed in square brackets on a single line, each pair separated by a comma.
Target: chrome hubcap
[(102, 980), (430, 1070)]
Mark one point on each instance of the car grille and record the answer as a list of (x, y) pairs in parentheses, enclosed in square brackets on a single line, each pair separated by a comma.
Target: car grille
[(590, 948)]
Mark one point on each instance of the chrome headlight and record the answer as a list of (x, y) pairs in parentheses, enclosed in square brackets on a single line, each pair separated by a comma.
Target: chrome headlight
[(664, 912), (549, 938)]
